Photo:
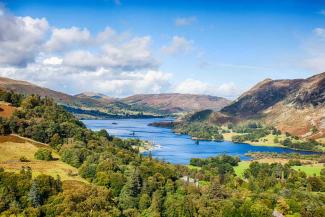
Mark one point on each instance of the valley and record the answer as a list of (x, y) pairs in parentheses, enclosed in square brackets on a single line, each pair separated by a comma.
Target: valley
[(45, 148), (120, 108)]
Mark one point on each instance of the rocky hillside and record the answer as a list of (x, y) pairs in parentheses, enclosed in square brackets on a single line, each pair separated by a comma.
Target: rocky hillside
[(266, 94), (262, 96), (175, 102), (295, 106)]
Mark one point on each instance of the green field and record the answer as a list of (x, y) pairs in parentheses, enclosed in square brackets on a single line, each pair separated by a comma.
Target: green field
[(242, 166), (193, 167), (310, 170)]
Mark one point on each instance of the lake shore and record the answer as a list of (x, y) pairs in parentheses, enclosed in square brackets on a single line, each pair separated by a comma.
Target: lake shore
[(175, 148)]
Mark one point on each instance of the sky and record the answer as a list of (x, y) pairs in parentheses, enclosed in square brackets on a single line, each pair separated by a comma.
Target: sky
[(126, 47)]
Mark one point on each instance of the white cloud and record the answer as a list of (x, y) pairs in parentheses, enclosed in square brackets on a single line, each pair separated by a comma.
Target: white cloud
[(52, 61), (73, 60), (20, 38), (64, 38), (193, 86), (185, 21), (322, 12), (130, 55), (178, 45), (73, 80)]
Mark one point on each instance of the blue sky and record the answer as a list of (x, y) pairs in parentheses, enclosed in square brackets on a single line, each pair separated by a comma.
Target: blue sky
[(210, 47)]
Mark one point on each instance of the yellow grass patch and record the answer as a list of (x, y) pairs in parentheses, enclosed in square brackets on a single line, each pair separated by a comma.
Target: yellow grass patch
[(12, 148), (228, 136)]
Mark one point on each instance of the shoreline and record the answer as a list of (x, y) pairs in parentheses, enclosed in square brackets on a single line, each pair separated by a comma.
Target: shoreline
[(146, 146)]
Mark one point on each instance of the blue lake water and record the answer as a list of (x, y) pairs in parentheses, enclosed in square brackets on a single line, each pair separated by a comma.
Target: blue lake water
[(172, 147)]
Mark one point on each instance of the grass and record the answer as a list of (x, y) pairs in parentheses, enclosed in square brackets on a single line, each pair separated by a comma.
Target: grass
[(242, 166), (193, 167), (264, 141), (321, 140), (310, 170), (6, 109), (12, 148), (269, 141)]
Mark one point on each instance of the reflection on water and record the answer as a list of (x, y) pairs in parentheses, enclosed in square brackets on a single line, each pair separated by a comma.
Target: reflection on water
[(172, 147)]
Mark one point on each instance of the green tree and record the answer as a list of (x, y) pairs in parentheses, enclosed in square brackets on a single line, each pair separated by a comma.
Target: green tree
[(144, 201), (131, 190), (43, 154)]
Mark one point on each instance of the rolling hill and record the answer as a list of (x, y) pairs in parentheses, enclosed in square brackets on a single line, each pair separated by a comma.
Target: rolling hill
[(97, 105), (96, 96), (175, 102), (27, 88)]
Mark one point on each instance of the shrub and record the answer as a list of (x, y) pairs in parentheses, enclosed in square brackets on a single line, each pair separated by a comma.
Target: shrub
[(43, 154), (294, 163), (23, 159)]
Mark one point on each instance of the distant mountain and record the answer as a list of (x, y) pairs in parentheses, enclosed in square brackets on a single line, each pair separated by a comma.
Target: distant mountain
[(96, 96), (27, 88), (295, 106), (89, 104), (176, 102)]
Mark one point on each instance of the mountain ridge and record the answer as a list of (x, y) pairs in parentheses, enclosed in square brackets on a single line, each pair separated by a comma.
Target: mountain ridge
[(163, 104), (295, 106), (177, 102)]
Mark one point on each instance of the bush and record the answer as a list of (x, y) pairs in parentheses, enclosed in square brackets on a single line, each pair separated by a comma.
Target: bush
[(43, 154), (294, 163), (23, 159)]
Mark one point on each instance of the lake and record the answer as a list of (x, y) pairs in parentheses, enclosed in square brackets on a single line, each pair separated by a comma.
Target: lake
[(174, 148)]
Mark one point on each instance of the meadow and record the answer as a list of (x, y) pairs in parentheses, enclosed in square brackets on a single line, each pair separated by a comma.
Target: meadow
[(12, 148)]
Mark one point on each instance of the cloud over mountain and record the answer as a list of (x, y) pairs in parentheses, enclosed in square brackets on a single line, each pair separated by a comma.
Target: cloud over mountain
[(74, 59)]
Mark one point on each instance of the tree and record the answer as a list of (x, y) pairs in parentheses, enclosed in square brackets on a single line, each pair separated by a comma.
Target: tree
[(131, 190), (156, 205), (56, 141), (144, 201), (42, 188), (43, 154), (282, 206), (4, 127), (34, 195), (260, 210)]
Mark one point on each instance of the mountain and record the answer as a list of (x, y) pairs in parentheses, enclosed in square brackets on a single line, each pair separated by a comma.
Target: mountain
[(97, 105), (27, 88), (176, 102), (263, 95), (96, 96), (296, 106)]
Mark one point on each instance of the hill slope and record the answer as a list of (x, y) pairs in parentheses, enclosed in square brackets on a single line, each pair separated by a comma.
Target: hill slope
[(13, 147), (91, 103), (175, 102), (295, 106), (27, 88), (96, 96)]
